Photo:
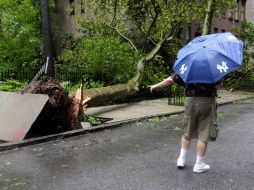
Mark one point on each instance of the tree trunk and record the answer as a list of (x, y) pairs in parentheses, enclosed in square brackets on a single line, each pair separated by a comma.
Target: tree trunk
[(100, 96), (208, 17), (47, 37)]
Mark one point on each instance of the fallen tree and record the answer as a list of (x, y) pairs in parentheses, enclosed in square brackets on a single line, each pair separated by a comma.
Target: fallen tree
[(61, 112), (103, 95)]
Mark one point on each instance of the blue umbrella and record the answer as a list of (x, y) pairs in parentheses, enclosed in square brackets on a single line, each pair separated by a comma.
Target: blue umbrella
[(209, 58)]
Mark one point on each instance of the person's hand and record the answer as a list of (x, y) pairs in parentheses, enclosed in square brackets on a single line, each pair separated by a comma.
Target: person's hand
[(153, 88)]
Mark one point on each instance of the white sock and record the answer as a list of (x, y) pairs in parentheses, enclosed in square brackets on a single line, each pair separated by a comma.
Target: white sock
[(183, 153), (200, 159)]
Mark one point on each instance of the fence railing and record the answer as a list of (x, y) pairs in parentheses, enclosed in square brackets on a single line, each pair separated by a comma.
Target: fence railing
[(176, 97), (68, 76), (22, 74)]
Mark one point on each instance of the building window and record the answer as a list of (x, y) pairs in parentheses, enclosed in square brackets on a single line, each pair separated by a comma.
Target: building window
[(197, 34), (215, 30), (237, 12), (82, 6), (72, 7), (222, 30)]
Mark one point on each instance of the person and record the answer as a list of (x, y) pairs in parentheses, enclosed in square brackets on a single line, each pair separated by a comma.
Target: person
[(199, 117)]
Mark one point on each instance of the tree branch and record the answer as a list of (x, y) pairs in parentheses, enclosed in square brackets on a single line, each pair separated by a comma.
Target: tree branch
[(115, 10), (152, 24), (114, 28), (123, 36), (173, 29)]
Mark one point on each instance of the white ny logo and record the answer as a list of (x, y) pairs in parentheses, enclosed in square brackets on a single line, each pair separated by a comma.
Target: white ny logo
[(223, 67), (230, 37), (183, 69)]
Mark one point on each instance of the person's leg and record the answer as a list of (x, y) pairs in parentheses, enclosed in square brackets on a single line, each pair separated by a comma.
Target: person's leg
[(200, 165), (187, 133), (201, 148), (206, 110), (185, 144)]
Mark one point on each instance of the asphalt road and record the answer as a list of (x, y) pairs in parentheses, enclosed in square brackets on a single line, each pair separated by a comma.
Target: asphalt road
[(141, 156)]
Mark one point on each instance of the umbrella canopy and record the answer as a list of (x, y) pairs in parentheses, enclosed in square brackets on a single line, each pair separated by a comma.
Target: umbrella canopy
[(208, 58)]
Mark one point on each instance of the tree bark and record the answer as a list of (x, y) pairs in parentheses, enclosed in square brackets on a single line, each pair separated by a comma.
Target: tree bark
[(47, 37), (208, 17)]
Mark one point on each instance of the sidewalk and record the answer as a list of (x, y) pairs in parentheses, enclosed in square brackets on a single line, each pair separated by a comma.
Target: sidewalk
[(155, 108), (119, 115)]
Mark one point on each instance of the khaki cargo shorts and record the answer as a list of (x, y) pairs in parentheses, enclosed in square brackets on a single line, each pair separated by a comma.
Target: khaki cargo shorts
[(200, 115)]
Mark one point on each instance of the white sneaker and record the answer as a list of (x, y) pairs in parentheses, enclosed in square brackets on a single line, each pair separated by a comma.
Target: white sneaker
[(198, 168), (180, 163)]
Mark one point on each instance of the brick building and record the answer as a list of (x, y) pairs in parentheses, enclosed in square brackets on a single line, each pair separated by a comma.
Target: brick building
[(222, 23), (70, 10), (250, 11)]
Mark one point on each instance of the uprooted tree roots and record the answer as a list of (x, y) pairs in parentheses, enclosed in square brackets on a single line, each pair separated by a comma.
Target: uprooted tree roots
[(61, 112)]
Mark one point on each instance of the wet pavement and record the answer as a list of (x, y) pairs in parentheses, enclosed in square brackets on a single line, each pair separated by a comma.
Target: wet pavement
[(140, 156), (153, 108)]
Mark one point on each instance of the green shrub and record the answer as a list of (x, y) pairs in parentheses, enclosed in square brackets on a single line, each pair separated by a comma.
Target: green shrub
[(87, 85), (91, 119), (105, 59), (243, 78), (20, 39)]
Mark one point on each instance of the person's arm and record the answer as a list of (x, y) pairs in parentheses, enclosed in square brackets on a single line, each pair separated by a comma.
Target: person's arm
[(166, 82)]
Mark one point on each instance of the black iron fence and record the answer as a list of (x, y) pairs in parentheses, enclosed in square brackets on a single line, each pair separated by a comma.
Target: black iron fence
[(22, 74), (176, 96), (68, 76)]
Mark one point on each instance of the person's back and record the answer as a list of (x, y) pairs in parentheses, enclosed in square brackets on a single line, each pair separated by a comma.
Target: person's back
[(197, 89), (201, 90)]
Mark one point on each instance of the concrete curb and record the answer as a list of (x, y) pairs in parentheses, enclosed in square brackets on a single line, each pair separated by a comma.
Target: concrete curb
[(233, 101), (59, 136), (105, 126)]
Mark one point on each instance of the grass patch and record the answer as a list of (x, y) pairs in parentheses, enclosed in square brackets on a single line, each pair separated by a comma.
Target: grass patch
[(12, 86)]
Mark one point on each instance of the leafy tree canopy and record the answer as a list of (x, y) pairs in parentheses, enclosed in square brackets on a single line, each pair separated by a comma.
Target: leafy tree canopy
[(20, 41), (142, 25), (244, 77)]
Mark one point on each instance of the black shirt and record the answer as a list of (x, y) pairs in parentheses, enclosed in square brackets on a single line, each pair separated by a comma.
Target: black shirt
[(197, 89)]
